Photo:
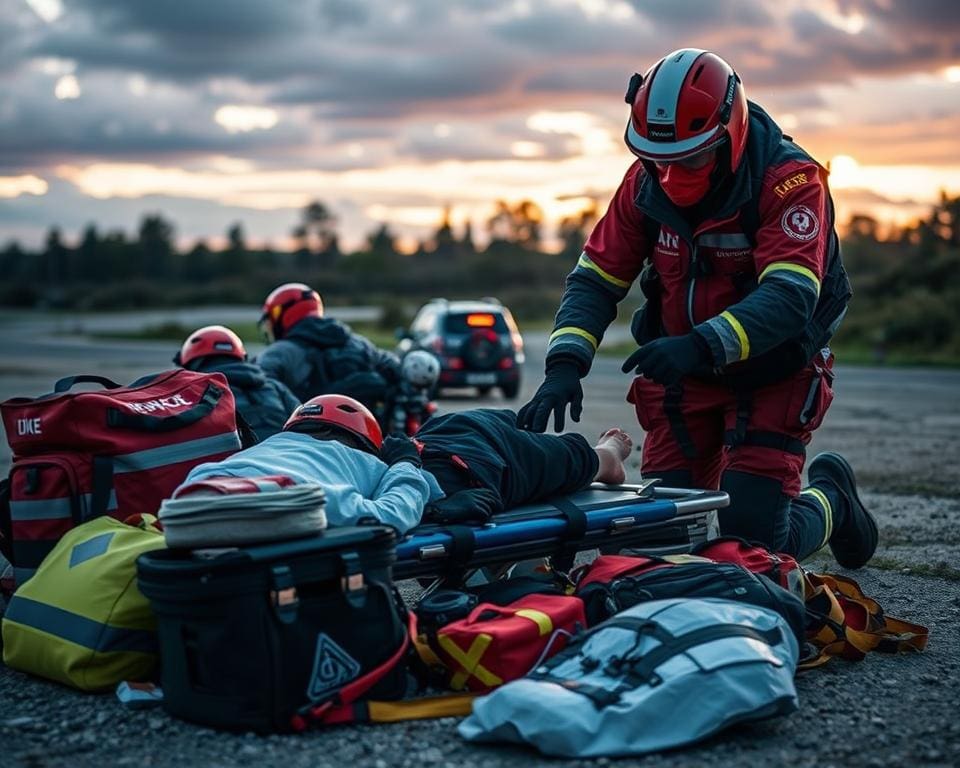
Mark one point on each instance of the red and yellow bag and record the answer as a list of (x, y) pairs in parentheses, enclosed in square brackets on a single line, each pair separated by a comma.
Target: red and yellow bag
[(495, 644)]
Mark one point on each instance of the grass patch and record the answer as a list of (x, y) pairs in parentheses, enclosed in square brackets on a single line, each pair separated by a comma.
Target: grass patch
[(176, 333), (939, 570)]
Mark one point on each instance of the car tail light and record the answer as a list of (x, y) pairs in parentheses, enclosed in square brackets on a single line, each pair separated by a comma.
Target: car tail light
[(506, 362), (480, 321), (455, 363)]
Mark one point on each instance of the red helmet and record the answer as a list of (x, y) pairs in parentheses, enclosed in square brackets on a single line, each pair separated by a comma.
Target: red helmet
[(686, 103), (210, 341), (338, 411), (286, 306)]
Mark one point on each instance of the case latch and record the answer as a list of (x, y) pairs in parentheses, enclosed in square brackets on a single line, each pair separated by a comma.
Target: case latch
[(352, 583), (283, 596)]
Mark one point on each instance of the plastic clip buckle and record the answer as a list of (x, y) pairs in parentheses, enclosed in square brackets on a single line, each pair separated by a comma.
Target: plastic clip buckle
[(283, 596), (352, 583)]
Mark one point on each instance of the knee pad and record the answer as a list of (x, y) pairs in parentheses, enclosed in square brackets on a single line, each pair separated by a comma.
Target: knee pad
[(758, 511)]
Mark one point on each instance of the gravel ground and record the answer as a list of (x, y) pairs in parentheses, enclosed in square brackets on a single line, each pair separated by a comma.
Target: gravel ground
[(898, 428)]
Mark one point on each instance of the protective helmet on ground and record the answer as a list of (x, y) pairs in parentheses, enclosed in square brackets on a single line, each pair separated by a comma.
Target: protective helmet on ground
[(287, 305), (210, 341), (420, 368), (341, 413), (687, 103)]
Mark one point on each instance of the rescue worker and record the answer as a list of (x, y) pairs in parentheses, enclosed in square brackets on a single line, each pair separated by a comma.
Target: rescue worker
[(315, 355), (264, 403), (732, 225), (335, 440)]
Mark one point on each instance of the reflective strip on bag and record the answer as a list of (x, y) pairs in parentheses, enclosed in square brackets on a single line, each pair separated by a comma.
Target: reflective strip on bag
[(78, 629), (54, 509), (189, 450)]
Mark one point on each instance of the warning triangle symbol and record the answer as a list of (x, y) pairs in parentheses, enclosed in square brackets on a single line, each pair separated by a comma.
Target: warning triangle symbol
[(333, 668)]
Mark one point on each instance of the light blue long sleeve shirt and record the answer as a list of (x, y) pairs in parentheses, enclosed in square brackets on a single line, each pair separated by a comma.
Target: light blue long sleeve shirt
[(357, 484)]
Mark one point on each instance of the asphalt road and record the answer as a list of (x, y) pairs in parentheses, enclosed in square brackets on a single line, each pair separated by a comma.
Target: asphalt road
[(899, 429)]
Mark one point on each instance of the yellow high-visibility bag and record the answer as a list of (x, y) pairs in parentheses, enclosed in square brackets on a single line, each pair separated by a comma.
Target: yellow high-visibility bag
[(81, 619)]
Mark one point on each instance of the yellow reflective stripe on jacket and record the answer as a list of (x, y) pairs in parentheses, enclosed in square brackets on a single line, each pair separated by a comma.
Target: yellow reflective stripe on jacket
[(740, 332), (576, 332), (786, 266), (587, 264)]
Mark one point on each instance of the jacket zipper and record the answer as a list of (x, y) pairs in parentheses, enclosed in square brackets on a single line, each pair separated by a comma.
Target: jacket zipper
[(693, 283)]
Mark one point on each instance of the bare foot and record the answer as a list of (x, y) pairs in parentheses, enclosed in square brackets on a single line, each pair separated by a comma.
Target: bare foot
[(612, 449)]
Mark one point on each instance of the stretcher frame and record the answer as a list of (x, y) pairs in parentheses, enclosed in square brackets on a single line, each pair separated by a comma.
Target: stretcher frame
[(657, 520)]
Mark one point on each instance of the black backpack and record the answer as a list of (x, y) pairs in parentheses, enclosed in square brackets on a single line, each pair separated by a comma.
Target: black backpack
[(787, 358)]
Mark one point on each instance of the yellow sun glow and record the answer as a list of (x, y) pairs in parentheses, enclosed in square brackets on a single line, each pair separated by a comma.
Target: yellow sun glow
[(952, 74), (844, 172)]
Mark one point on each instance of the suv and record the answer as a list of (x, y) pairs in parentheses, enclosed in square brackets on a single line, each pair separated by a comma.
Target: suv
[(477, 342)]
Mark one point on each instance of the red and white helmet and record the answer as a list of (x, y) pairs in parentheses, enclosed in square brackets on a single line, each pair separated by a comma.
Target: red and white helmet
[(210, 341), (687, 103), (287, 305), (340, 412)]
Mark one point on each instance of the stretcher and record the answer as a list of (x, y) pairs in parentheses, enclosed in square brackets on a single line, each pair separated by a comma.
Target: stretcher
[(646, 516)]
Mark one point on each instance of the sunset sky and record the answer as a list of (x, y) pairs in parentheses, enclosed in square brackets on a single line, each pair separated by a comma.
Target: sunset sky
[(218, 111)]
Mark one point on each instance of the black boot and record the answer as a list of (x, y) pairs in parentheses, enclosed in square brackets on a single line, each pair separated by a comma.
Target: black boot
[(854, 541)]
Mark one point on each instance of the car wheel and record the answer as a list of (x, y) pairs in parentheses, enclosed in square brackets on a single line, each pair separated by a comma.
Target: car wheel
[(511, 390)]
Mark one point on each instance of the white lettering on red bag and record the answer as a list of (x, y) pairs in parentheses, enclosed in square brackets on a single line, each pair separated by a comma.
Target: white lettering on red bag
[(160, 404), (29, 427)]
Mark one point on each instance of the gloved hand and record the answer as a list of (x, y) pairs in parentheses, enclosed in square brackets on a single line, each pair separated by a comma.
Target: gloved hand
[(473, 505), (398, 448), (560, 387), (668, 359)]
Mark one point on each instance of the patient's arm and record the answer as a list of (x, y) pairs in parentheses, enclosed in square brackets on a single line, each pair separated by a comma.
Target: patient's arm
[(398, 500)]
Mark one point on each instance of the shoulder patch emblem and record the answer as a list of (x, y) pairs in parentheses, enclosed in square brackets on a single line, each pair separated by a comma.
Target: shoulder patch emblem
[(800, 223), (792, 182)]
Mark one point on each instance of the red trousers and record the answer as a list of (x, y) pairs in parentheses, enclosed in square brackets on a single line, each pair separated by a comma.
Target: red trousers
[(707, 429)]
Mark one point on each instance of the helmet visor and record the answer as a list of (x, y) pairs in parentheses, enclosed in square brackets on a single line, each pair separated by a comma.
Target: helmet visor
[(668, 151)]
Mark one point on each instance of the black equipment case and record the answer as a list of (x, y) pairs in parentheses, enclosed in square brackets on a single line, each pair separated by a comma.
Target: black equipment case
[(253, 637)]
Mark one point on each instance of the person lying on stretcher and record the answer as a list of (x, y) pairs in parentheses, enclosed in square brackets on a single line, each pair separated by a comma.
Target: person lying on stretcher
[(461, 467)]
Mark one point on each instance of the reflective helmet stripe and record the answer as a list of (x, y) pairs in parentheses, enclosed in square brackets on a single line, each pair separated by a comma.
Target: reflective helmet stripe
[(667, 84)]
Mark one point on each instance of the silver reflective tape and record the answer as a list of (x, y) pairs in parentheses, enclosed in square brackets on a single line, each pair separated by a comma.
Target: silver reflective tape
[(54, 509), (728, 337), (665, 92), (730, 240), (173, 454)]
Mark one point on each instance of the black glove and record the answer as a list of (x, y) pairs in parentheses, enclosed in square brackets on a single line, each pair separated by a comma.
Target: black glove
[(560, 387), (473, 505), (668, 359), (397, 448)]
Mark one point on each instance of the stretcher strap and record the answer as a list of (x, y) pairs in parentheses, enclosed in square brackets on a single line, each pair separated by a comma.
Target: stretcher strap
[(462, 545), (572, 538)]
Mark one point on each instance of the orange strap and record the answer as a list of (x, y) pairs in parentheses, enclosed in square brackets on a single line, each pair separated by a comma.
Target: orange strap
[(853, 624)]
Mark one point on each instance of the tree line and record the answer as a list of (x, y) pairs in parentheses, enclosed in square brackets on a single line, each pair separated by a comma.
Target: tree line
[(907, 295)]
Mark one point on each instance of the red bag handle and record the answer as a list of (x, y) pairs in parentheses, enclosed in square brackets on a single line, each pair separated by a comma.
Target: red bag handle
[(356, 688), (84, 378)]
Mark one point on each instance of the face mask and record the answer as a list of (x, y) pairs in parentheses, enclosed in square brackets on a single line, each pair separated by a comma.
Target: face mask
[(685, 186)]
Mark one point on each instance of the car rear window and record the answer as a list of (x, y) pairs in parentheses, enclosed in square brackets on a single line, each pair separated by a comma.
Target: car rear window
[(467, 322)]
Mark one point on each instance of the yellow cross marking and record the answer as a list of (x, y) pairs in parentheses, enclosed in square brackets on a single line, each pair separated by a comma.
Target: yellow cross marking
[(469, 661)]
